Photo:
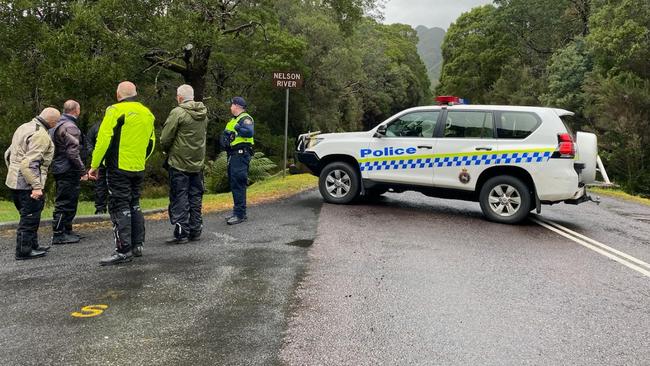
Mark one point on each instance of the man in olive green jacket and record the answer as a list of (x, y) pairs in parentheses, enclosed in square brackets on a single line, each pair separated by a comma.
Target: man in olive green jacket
[(183, 142)]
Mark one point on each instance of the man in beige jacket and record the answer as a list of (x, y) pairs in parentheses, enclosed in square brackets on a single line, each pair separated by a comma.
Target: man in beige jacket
[(28, 159)]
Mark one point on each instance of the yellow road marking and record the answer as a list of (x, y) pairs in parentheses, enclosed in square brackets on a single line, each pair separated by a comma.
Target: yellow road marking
[(89, 311)]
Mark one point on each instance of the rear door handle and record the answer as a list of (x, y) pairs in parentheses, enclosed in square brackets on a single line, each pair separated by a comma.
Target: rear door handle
[(425, 147), (483, 148)]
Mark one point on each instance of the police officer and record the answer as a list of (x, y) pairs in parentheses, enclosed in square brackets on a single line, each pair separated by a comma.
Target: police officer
[(124, 142), (28, 159), (67, 167), (237, 141)]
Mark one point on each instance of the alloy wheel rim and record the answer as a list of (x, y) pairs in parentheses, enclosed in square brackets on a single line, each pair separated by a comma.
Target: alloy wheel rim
[(504, 200), (338, 183)]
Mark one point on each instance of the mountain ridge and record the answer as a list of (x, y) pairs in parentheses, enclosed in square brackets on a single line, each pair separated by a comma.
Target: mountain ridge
[(430, 50)]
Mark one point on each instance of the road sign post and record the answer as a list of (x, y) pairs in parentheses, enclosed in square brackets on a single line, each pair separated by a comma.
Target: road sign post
[(287, 81), (286, 133)]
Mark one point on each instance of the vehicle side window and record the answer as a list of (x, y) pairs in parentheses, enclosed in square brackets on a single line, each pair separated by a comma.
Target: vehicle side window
[(469, 124), (517, 125), (416, 124)]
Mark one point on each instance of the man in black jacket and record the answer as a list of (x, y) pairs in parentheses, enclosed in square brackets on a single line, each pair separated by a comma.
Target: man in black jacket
[(101, 188), (68, 169)]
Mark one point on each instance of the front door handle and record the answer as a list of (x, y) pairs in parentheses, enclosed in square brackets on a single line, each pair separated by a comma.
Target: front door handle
[(425, 147), (483, 148)]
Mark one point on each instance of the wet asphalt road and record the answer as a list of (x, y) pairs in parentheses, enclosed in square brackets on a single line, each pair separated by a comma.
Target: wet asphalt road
[(406, 280), (221, 301), (411, 280)]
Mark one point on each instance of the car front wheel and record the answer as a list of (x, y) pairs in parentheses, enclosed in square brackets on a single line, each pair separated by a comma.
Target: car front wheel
[(339, 183), (505, 199)]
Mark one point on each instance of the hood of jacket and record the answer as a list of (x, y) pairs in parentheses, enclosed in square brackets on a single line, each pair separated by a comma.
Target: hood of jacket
[(197, 110)]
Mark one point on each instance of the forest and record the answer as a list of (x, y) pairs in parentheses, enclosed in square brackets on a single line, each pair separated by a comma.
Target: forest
[(357, 71), (590, 57)]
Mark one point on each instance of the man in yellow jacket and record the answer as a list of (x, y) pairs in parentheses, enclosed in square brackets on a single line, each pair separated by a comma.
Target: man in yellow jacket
[(125, 141), (28, 159)]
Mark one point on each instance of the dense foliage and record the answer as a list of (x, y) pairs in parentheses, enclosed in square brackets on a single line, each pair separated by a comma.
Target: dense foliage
[(357, 71), (588, 56), (216, 176)]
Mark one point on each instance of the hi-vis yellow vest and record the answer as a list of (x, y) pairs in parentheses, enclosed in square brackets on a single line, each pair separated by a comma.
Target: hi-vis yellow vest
[(230, 126)]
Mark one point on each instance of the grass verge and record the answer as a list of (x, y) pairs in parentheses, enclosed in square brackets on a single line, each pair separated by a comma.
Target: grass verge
[(266, 191), (617, 193)]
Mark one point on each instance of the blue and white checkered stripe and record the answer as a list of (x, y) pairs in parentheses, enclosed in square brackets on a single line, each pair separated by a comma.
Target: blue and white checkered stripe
[(488, 159)]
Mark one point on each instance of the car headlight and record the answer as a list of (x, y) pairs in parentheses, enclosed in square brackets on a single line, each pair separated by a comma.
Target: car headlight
[(312, 142)]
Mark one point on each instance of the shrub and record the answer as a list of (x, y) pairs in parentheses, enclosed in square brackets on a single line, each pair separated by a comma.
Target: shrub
[(216, 177)]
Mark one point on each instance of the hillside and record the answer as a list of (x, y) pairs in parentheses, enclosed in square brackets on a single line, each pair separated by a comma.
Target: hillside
[(429, 48)]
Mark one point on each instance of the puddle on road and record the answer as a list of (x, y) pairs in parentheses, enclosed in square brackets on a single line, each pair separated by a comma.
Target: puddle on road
[(302, 243)]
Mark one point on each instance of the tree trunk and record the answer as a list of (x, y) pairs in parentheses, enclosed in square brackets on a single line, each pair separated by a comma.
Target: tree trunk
[(197, 68)]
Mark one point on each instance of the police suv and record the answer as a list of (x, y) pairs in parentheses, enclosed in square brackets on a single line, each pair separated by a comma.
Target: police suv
[(509, 159)]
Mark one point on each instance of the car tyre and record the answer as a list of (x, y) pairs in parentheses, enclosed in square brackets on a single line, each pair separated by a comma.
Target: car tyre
[(505, 199), (339, 183), (375, 192)]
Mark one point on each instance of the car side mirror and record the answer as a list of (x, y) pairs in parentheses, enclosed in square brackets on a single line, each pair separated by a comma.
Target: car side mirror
[(381, 131)]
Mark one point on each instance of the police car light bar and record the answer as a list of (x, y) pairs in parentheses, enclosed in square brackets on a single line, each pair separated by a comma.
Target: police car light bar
[(450, 100)]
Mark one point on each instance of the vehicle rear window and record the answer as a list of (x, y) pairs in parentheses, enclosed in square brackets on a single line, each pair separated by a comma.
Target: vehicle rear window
[(516, 125), (469, 124), (568, 121)]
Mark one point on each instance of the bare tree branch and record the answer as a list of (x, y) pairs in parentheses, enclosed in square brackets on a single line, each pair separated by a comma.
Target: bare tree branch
[(242, 27), (156, 58)]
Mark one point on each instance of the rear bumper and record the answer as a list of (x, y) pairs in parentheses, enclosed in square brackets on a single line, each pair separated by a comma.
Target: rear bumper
[(580, 197), (310, 160), (557, 181)]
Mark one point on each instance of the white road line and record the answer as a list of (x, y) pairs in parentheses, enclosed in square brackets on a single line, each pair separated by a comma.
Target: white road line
[(622, 260), (596, 243)]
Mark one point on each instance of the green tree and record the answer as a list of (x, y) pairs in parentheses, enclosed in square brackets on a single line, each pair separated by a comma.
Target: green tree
[(566, 74), (620, 87), (475, 49)]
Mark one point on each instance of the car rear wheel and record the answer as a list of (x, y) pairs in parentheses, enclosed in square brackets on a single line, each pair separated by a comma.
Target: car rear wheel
[(339, 183), (505, 199)]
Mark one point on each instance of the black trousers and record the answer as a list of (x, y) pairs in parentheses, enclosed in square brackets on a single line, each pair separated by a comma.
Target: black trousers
[(30, 217), (66, 201), (101, 191), (185, 200), (124, 206), (238, 163)]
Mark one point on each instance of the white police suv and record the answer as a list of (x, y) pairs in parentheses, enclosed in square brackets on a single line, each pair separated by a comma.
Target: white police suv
[(509, 159)]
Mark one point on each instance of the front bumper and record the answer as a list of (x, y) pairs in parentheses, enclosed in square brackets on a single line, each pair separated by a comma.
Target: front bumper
[(310, 160)]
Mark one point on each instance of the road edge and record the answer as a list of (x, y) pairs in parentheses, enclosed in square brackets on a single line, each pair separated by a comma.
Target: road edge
[(105, 217)]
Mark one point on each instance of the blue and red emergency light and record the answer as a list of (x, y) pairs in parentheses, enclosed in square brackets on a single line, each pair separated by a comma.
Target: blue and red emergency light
[(450, 100)]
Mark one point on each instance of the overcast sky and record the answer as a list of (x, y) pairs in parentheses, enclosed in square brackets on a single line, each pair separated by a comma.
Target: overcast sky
[(430, 13)]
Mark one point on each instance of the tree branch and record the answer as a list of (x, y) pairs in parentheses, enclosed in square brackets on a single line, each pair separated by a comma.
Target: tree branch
[(157, 59), (242, 27)]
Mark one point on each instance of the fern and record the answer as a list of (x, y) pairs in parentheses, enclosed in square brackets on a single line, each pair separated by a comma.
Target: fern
[(217, 172), (260, 167)]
